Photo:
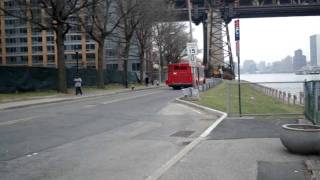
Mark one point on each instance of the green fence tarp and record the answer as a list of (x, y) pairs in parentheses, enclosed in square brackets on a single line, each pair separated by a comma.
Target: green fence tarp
[(311, 101), (22, 79)]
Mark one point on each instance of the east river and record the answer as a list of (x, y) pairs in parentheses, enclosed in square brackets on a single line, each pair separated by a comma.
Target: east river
[(292, 83)]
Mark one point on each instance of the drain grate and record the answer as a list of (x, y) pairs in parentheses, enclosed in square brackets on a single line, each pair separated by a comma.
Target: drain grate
[(183, 133), (185, 143)]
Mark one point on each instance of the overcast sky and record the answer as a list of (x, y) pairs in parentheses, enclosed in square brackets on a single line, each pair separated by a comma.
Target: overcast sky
[(271, 39)]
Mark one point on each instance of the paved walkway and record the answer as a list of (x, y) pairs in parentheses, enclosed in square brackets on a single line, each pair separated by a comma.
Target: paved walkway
[(67, 97), (242, 149)]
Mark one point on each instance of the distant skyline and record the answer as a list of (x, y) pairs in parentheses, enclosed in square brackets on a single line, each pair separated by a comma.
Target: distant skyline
[(271, 39)]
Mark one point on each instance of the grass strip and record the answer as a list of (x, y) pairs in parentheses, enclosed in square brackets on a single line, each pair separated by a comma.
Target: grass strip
[(20, 96), (252, 101)]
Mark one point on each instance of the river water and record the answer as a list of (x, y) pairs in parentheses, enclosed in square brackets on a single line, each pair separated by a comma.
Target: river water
[(294, 87)]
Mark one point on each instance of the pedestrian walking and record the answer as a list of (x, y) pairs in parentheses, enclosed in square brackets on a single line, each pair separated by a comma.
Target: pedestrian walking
[(77, 85)]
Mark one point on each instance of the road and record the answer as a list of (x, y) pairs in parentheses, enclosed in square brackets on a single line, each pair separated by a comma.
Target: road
[(122, 136)]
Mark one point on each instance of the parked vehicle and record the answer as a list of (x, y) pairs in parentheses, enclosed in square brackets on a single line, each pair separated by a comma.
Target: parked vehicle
[(183, 75)]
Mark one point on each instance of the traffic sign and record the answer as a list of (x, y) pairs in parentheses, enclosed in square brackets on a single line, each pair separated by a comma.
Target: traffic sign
[(192, 49), (237, 29)]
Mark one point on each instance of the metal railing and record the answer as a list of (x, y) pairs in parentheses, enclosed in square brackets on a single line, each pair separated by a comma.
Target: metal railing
[(265, 98)]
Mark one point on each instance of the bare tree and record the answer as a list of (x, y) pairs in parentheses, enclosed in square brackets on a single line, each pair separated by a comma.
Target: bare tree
[(170, 39), (56, 15), (100, 22), (152, 12), (131, 16), (175, 42)]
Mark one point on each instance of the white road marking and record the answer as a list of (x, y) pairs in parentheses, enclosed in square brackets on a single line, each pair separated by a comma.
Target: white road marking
[(187, 107), (196, 111), (33, 154), (17, 121), (118, 100), (90, 106), (159, 172)]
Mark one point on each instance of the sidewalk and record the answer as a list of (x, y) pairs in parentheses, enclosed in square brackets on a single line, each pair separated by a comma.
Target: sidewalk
[(243, 149), (68, 97)]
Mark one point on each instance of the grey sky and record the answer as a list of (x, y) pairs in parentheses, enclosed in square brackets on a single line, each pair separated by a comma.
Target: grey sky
[(271, 39)]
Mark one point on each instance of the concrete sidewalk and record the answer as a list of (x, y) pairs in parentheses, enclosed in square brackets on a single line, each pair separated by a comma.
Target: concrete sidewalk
[(68, 97), (242, 149)]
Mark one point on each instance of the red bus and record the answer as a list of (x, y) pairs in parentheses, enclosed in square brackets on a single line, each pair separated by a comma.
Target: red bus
[(182, 75)]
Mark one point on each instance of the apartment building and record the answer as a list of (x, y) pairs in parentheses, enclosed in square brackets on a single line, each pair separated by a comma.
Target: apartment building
[(21, 44)]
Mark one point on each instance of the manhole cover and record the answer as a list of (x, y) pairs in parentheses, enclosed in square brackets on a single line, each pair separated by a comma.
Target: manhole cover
[(183, 133)]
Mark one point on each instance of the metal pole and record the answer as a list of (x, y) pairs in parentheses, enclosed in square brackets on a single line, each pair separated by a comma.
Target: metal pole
[(77, 58), (239, 88), (160, 65), (190, 20), (228, 98)]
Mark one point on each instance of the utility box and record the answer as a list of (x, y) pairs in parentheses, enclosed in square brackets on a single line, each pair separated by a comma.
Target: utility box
[(311, 101)]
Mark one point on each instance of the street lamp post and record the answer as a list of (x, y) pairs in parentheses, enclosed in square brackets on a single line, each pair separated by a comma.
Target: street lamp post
[(159, 68), (77, 58)]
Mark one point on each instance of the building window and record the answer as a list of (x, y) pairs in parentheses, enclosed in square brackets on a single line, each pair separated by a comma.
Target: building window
[(11, 60), (74, 57), (75, 38), (111, 52), (112, 66), (91, 57), (90, 46), (23, 30), (11, 49), (8, 3), (135, 66), (36, 59), (23, 40), (50, 48), (36, 48), (10, 31), (10, 40), (36, 40), (23, 60), (50, 38), (23, 49), (50, 58)]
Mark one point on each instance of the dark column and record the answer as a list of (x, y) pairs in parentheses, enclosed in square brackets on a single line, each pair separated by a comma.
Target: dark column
[(205, 47)]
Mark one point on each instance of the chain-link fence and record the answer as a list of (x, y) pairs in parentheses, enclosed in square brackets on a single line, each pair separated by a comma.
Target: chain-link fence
[(265, 98)]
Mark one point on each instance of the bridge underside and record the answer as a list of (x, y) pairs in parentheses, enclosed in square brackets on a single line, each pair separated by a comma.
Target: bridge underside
[(233, 10), (216, 14)]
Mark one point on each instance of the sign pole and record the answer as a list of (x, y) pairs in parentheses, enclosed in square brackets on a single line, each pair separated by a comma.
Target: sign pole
[(239, 87), (237, 39)]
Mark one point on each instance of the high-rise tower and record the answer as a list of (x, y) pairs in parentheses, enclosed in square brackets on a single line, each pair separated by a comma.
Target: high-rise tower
[(315, 49)]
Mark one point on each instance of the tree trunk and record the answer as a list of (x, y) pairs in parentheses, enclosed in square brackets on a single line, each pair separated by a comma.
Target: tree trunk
[(125, 65), (100, 75), (160, 66), (142, 65), (62, 81)]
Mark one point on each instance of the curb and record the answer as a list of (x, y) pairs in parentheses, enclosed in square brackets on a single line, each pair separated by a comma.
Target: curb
[(164, 168), (64, 99)]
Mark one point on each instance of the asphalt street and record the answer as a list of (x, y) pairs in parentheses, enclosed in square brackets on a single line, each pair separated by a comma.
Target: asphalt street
[(120, 136)]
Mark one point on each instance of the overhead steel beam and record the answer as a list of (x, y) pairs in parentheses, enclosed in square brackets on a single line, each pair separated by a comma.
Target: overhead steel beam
[(229, 12)]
